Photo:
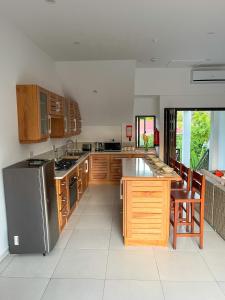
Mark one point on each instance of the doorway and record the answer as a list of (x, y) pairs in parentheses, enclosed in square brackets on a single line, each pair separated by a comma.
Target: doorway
[(196, 137)]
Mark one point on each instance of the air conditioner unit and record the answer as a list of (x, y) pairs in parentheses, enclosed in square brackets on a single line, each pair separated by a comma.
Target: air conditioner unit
[(208, 76)]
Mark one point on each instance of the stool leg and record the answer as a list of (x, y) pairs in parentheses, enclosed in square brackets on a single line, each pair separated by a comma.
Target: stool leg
[(175, 225), (187, 215), (201, 225), (192, 217)]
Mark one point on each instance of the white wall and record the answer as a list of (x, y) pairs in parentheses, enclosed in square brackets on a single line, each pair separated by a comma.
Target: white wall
[(114, 83), (175, 90), (21, 62), (100, 134), (146, 105)]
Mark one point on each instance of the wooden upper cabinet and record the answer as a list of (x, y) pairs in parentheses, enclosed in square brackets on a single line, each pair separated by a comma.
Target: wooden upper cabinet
[(59, 123), (72, 118), (32, 107), (43, 114), (55, 105)]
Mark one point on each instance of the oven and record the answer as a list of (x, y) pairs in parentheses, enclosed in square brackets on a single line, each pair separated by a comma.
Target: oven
[(72, 191)]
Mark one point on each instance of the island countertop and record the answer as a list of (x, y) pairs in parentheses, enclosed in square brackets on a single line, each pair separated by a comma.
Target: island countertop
[(142, 168)]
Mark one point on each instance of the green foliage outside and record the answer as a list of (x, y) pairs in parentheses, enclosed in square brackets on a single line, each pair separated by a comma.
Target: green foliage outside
[(200, 133)]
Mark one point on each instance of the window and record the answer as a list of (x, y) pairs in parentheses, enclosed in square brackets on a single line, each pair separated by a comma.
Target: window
[(145, 124)]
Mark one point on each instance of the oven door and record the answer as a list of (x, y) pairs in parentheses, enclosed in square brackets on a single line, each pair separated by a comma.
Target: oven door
[(73, 191)]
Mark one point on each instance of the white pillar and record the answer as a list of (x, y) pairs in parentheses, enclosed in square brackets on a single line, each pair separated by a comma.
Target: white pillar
[(186, 141), (221, 141)]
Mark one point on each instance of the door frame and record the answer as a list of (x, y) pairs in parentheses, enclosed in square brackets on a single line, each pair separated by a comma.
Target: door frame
[(166, 127)]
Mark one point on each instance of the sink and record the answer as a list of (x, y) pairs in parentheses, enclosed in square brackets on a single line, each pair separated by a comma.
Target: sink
[(74, 154)]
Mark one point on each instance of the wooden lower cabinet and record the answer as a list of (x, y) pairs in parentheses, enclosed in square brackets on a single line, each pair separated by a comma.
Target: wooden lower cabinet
[(108, 167), (99, 165), (62, 201), (145, 211), (65, 209)]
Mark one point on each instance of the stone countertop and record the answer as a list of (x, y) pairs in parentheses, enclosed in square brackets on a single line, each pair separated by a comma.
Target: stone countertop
[(124, 152), (140, 167), (62, 174)]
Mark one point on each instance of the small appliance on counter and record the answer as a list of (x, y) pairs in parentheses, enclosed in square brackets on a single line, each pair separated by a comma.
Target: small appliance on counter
[(31, 206), (112, 146), (87, 147), (99, 147)]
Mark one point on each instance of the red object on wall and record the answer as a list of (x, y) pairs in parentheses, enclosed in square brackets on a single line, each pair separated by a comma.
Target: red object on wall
[(156, 137), (129, 132)]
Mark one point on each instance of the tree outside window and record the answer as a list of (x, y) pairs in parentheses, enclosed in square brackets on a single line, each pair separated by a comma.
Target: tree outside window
[(145, 125)]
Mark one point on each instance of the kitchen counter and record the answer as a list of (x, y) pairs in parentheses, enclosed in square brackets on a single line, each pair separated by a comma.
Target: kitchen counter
[(62, 174), (124, 152), (145, 191), (139, 167)]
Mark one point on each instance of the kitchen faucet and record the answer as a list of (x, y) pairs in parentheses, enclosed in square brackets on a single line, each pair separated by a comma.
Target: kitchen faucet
[(68, 145)]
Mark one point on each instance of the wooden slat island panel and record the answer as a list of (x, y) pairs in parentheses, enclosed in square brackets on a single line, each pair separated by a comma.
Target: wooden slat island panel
[(146, 204)]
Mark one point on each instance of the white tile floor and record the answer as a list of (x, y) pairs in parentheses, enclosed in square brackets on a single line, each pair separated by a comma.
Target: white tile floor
[(90, 262)]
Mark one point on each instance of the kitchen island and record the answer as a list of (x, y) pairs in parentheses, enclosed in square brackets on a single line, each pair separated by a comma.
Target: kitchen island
[(145, 190)]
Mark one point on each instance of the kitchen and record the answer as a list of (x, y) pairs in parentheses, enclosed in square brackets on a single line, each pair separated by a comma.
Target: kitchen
[(111, 86)]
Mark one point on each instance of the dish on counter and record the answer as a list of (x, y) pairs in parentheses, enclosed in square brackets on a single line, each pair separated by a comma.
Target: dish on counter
[(167, 169), (160, 164)]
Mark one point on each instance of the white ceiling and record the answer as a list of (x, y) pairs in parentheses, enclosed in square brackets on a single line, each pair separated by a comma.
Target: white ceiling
[(174, 30), (104, 89)]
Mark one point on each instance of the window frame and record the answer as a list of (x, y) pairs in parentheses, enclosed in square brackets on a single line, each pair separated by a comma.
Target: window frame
[(137, 126)]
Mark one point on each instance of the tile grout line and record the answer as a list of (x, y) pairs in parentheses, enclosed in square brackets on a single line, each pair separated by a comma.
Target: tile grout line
[(103, 292), (161, 284), (7, 265), (210, 271), (60, 258)]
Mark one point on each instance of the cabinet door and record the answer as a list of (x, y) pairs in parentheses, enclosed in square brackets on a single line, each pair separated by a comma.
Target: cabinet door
[(100, 167), (55, 105), (115, 167), (43, 96), (67, 127), (72, 118)]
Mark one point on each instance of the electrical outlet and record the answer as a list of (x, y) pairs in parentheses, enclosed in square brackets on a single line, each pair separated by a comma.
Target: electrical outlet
[(16, 240)]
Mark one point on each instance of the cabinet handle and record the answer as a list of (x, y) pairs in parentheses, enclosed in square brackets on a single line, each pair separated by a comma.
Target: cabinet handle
[(65, 125), (86, 163), (57, 106), (75, 125), (49, 125), (121, 189)]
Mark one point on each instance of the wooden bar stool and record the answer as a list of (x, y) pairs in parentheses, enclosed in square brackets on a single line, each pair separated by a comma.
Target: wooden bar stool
[(185, 182), (187, 201), (177, 167), (172, 162)]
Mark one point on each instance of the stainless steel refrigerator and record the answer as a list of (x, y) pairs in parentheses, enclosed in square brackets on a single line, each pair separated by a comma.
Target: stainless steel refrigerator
[(31, 206)]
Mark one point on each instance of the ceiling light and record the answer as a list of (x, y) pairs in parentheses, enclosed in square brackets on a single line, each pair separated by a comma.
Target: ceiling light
[(76, 43), (153, 59), (51, 1), (95, 91), (211, 33)]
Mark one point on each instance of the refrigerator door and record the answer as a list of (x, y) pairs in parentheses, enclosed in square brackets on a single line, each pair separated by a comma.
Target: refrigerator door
[(24, 212), (50, 210)]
